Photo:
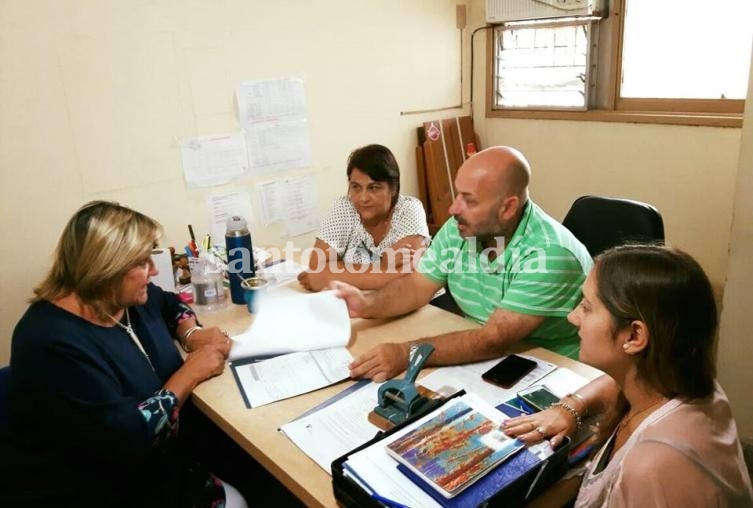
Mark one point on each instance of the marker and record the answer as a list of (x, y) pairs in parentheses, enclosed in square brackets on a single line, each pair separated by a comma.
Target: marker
[(192, 243)]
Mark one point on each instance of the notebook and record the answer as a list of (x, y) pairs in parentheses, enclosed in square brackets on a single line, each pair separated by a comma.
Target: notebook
[(456, 448)]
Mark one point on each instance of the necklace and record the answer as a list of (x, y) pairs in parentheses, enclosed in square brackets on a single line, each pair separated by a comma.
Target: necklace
[(129, 330), (625, 421)]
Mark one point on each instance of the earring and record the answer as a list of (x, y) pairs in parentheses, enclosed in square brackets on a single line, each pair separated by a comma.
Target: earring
[(625, 346)]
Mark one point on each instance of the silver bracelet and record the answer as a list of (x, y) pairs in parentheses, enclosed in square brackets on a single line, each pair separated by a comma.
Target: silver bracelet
[(570, 409), (186, 335)]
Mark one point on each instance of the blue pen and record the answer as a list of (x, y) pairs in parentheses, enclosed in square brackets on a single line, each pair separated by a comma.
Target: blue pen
[(188, 251), (389, 503), (525, 405)]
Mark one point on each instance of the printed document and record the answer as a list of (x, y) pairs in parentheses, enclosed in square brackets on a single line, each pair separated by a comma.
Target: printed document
[(288, 321), (336, 429), (213, 160), (290, 375)]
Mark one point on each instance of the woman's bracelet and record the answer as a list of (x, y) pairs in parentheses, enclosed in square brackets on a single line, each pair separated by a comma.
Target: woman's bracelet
[(574, 412), (186, 335)]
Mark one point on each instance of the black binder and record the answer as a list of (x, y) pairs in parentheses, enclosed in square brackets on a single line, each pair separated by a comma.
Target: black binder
[(349, 494)]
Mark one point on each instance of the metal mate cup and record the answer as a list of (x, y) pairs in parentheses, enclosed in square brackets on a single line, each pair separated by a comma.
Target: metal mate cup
[(252, 288)]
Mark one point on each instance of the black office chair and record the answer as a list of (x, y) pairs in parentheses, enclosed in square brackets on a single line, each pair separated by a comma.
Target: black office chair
[(601, 222), (4, 375)]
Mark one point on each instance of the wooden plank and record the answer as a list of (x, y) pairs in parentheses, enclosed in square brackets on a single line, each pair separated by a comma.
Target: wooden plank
[(421, 174), (440, 195), (446, 145)]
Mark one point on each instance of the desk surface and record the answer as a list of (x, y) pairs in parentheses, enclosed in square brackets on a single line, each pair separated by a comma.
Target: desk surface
[(256, 429)]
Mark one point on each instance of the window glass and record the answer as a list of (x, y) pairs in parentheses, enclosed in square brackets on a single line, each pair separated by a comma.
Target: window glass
[(686, 49)]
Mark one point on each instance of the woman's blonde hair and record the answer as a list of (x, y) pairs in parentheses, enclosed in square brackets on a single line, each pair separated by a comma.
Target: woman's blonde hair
[(100, 243)]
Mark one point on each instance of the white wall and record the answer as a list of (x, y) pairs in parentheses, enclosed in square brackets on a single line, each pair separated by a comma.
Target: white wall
[(94, 95), (735, 356)]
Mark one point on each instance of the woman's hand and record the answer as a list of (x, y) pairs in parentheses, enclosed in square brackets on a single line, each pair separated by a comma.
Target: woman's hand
[(200, 364), (207, 337), (554, 424), (206, 361), (313, 281)]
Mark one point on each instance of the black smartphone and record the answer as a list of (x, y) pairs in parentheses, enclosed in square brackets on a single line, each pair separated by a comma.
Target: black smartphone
[(538, 397), (509, 371)]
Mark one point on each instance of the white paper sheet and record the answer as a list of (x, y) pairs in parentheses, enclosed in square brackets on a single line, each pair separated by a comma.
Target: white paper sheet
[(468, 377), (213, 160), (273, 114), (302, 213), (336, 429), (286, 322), (292, 374), (282, 272), (278, 145), (221, 206), (270, 98), (563, 381), (269, 194), (292, 200)]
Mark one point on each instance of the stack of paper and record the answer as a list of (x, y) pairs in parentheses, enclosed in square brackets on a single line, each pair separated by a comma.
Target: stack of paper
[(288, 321)]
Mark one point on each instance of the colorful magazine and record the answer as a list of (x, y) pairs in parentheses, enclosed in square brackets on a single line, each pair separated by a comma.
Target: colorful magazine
[(455, 448)]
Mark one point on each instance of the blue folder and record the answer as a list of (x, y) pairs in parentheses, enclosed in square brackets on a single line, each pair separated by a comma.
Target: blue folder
[(485, 488)]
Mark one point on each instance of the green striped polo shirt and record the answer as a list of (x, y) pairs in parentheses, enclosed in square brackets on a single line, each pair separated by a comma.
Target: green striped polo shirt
[(540, 273)]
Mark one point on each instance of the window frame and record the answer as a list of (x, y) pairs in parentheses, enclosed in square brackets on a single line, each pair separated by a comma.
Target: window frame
[(611, 107)]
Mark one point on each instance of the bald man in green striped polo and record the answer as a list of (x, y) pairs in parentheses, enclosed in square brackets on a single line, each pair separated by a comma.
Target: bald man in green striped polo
[(508, 265)]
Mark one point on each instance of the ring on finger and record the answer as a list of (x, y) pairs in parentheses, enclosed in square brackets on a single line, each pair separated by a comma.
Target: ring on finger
[(540, 429)]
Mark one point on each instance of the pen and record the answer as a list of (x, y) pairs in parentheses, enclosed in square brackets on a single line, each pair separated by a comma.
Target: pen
[(389, 503), (525, 405)]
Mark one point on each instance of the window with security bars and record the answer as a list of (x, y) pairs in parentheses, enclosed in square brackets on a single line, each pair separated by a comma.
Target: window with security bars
[(542, 65)]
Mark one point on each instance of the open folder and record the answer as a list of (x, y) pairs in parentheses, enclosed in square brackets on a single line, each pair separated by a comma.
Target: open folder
[(289, 321), (306, 335)]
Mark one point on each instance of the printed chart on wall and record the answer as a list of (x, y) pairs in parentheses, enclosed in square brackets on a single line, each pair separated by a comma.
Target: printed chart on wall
[(272, 114), (290, 200), (213, 160)]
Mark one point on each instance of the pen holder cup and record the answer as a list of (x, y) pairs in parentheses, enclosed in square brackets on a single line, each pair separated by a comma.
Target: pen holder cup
[(253, 287)]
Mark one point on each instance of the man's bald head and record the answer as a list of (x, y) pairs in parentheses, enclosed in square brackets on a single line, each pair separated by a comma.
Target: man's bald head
[(504, 169), (491, 193)]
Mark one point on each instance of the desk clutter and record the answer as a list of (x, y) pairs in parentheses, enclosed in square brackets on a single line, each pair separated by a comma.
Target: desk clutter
[(474, 466), (365, 472), (455, 456)]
